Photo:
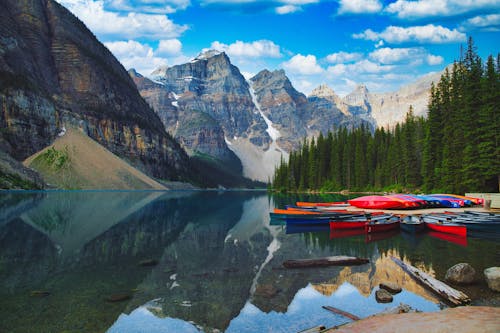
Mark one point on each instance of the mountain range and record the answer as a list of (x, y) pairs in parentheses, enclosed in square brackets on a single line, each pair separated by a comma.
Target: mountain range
[(199, 122), (210, 108)]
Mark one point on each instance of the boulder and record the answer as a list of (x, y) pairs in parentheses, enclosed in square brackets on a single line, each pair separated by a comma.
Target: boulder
[(383, 296), (492, 275), (461, 273), (390, 287)]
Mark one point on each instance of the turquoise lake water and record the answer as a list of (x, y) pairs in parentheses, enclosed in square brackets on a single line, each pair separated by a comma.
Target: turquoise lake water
[(92, 261)]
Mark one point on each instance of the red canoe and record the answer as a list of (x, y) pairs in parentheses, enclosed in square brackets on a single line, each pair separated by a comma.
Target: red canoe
[(354, 224), (459, 240), (376, 202), (343, 233), (381, 226), (450, 228), (321, 204)]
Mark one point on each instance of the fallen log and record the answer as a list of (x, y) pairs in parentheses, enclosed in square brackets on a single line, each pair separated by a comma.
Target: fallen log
[(313, 329), (340, 312), (452, 296), (327, 261)]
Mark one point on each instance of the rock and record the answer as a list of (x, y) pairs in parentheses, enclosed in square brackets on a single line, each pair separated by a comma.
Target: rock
[(59, 74), (461, 273), (390, 287), (118, 297), (148, 262), (383, 296), (40, 293), (266, 290), (492, 275)]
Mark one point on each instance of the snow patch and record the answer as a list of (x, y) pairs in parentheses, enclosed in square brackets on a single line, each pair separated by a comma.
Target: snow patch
[(176, 97), (175, 103), (63, 131), (227, 141), (271, 130)]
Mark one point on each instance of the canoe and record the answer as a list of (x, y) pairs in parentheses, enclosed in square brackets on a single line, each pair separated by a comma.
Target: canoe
[(451, 238), (466, 200), (378, 236), (460, 202), (475, 201), (381, 226), (298, 229), (412, 224), (376, 202), (348, 224), (344, 233), (321, 204), (446, 227), (436, 202), (410, 201)]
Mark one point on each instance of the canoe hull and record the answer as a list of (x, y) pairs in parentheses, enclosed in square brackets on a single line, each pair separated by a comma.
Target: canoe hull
[(341, 225), (381, 227), (454, 229)]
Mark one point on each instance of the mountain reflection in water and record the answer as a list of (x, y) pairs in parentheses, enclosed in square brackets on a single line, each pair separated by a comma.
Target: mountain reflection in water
[(217, 265)]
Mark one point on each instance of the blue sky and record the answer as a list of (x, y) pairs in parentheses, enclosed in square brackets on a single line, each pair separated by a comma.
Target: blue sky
[(342, 43)]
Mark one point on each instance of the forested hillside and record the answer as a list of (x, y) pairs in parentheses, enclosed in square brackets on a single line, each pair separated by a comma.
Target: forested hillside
[(454, 149)]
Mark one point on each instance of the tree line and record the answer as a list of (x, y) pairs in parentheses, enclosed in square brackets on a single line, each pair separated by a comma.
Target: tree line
[(454, 149)]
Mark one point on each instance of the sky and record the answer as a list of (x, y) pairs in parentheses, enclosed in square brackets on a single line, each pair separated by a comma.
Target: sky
[(341, 43)]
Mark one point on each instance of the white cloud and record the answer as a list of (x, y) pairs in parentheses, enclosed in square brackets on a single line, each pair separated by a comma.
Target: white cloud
[(142, 57), (306, 65), (411, 56), (341, 57), (148, 6), (112, 25), (359, 6), (420, 34), (406, 9), (485, 22), (287, 9), (256, 49), (169, 47), (434, 60), (129, 48)]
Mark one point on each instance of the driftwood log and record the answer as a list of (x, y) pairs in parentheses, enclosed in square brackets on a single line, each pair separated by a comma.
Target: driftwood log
[(313, 329), (452, 296), (327, 261), (340, 312)]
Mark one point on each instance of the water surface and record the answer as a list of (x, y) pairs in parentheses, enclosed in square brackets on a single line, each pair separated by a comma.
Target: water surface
[(216, 265)]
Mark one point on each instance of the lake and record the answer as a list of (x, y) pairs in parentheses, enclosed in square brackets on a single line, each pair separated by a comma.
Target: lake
[(202, 261)]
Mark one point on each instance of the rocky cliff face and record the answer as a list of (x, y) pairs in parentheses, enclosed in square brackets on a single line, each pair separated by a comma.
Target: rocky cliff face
[(196, 131), (212, 85), (53, 71), (327, 112), (391, 108)]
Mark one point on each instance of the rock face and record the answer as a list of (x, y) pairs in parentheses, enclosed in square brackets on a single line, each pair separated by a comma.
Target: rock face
[(212, 85), (390, 287), (264, 118), (53, 71), (197, 132), (462, 273), (492, 275), (383, 296)]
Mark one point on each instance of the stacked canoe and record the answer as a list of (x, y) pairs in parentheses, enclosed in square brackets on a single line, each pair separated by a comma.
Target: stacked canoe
[(410, 201), (307, 216)]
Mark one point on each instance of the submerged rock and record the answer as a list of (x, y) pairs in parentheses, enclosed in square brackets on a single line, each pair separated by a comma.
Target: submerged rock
[(40, 293), (390, 287), (148, 262), (383, 296), (118, 297), (492, 275), (462, 273)]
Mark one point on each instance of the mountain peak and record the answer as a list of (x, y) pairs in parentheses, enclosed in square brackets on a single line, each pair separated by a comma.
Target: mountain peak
[(133, 73), (323, 91), (160, 71), (205, 55)]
